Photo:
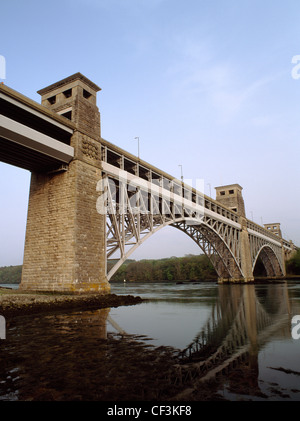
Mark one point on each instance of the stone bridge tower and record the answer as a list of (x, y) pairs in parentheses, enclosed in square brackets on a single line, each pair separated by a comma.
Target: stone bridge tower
[(65, 235), (231, 197)]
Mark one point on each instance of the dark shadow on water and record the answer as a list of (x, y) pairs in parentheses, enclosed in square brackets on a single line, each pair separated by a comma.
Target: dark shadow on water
[(72, 357)]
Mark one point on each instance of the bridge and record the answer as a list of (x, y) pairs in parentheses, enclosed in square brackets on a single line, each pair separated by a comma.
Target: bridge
[(90, 200)]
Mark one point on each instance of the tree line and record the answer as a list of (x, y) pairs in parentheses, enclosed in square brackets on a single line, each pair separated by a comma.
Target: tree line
[(10, 274), (187, 268), (293, 264)]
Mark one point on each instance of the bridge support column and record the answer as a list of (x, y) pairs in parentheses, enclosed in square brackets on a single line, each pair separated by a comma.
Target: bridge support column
[(245, 256), (65, 244), (283, 259), (246, 261), (65, 236), (231, 196)]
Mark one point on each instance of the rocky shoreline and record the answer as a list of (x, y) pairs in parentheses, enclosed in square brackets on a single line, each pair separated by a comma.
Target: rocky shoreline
[(16, 303)]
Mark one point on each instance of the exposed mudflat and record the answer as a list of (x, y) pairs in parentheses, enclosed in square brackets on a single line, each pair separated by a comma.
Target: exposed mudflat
[(71, 357), (14, 302)]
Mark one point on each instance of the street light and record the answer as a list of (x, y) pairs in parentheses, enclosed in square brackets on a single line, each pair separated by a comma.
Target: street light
[(138, 139), (181, 172), (209, 189)]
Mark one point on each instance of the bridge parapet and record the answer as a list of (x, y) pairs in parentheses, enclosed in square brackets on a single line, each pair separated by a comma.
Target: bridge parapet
[(131, 164), (267, 233), (261, 230)]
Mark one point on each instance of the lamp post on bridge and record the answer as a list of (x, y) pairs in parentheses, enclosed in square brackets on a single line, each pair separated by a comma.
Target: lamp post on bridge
[(181, 172), (209, 189), (138, 139)]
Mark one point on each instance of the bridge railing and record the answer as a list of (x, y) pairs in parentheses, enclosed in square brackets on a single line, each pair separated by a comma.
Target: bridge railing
[(123, 160), (255, 227), (261, 230)]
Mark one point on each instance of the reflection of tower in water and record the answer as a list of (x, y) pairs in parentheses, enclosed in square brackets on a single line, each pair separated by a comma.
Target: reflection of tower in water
[(54, 353)]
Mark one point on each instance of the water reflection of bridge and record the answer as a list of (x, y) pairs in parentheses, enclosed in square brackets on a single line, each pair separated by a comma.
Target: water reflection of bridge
[(243, 319)]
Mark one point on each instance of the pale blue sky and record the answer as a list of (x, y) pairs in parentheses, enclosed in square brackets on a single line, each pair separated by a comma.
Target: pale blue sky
[(205, 84)]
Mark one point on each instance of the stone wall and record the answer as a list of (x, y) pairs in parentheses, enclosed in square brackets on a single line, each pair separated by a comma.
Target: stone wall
[(65, 235)]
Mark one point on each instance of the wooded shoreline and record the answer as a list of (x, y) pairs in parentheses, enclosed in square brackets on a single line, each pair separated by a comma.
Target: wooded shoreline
[(187, 268)]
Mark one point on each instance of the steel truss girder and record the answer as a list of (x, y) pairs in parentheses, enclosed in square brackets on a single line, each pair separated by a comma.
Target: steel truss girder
[(215, 246), (133, 215)]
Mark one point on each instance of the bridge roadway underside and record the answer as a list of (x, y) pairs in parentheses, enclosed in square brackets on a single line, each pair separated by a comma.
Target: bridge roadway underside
[(29, 138), (21, 156)]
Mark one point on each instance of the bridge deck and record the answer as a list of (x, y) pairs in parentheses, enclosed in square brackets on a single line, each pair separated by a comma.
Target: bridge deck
[(32, 137)]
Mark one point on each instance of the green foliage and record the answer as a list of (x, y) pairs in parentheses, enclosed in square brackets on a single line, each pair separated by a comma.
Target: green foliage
[(187, 268), (10, 274), (293, 265)]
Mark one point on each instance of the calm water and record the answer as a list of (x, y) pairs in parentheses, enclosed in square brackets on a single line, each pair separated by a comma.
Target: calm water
[(243, 331)]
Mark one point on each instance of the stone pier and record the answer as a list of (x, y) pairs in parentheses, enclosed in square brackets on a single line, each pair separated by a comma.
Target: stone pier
[(65, 235)]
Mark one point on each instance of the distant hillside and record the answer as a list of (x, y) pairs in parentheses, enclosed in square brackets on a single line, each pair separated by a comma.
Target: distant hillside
[(10, 274), (187, 268)]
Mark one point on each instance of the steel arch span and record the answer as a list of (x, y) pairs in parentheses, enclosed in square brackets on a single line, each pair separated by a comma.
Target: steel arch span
[(271, 252), (270, 259), (133, 214), (214, 247), (209, 241)]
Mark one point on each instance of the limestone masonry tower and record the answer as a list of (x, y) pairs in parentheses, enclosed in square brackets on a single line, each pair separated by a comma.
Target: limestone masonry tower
[(65, 235), (75, 99), (231, 197), (274, 228)]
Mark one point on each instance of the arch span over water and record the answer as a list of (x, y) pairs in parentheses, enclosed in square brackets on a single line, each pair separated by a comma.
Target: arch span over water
[(270, 261), (208, 240)]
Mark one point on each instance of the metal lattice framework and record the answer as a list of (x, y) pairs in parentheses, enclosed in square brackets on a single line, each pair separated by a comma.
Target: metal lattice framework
[(139, 200), (134, 214), (219, 242), (268, 249)]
